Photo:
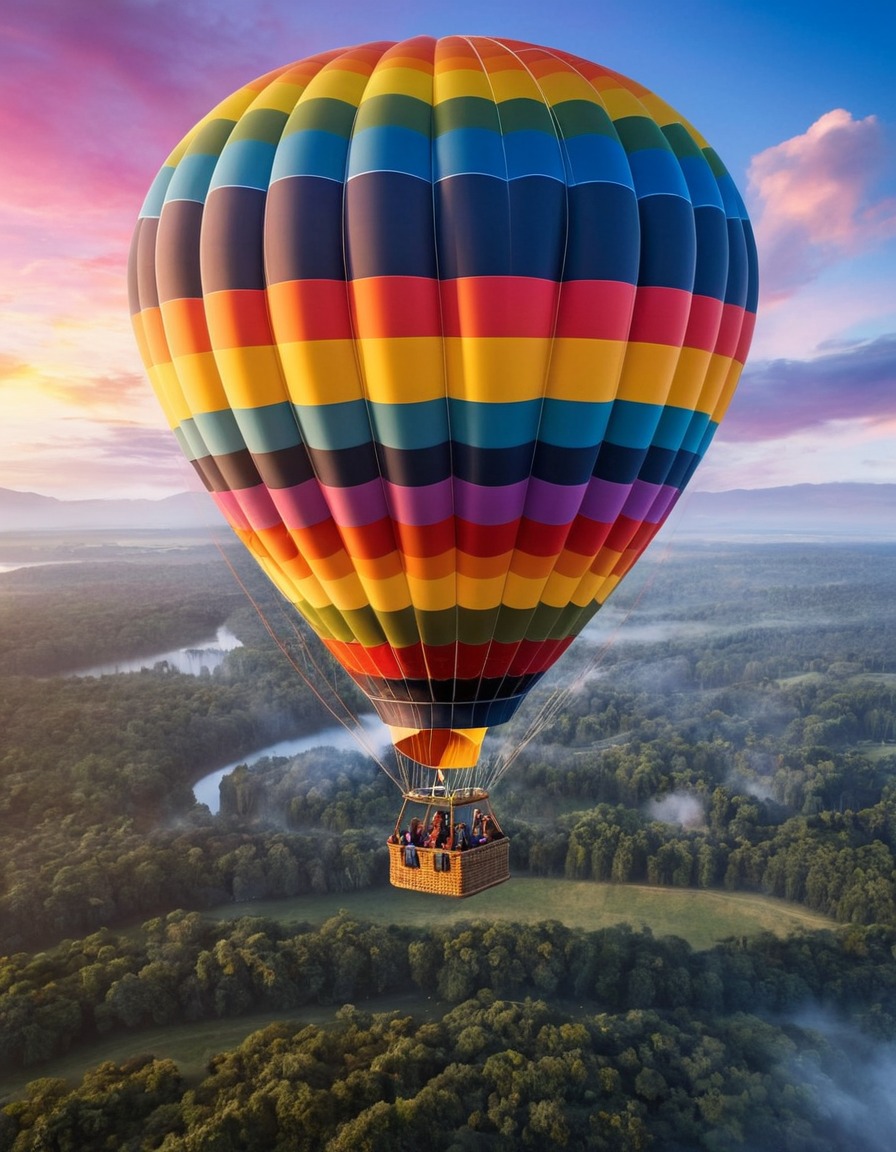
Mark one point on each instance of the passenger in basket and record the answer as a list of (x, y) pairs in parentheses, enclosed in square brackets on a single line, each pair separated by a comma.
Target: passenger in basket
[(439, 832), (476, 827), (461, 838), (416, 834)]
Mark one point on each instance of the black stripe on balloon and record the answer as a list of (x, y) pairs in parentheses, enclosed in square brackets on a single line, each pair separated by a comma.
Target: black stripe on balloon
[(345, 467), (604, 233), (486, 226), (711, 273), (303, 230), (446, 691), (235, 470), (415, 467), (142, 287), (738, 265), (563, 465), (231, 254), (477, 714), (285, 468), (492, 467), (177, 251), (668, 243), (752, 300), (665, 466), (621, 465), (389, 226)]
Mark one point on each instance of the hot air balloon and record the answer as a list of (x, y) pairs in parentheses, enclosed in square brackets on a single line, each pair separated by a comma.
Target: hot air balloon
[(445, 327)]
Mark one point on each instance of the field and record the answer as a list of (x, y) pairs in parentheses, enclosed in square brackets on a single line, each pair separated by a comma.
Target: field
[(700, 917)]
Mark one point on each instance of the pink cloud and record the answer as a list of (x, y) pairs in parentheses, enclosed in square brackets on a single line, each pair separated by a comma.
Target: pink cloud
[(779, 398), (817, 202)]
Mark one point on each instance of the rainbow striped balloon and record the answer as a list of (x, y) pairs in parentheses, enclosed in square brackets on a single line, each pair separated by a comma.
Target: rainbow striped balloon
[(445, 326)]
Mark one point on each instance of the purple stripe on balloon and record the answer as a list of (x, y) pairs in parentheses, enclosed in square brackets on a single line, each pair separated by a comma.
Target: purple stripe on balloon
[(357, 506), (548, 503), (480, 504), (604, 500), (428, 504), (301, 506), (649, 503), (248, 508), (640, 500)]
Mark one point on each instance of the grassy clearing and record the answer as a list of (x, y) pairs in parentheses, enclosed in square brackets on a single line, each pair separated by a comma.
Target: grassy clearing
[(192, 1046), (698, 916)]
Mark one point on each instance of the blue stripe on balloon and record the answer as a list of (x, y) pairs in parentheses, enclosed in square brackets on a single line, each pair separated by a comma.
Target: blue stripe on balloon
[(597, 159), (334, 426), (189, 441), (469, 150), (693, 438), (192, 178), (494, 425), (703, 187), (269, 428), (310, 153), (155, 197), (734, 206), (244, 164), (420, 425), (219, 431), (632, 425), (574, 423), (656, 172), (390, 148), (533, 153)]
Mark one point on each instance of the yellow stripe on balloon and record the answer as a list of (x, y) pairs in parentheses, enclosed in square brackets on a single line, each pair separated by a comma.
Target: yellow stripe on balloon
[(647, 373), (320, 371), (253, 376), (394, 368), (459, 82), (432, 595), (385, 81), (200, 381)]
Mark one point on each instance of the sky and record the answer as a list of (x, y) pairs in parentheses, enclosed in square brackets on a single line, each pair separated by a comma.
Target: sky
[(797, 97)]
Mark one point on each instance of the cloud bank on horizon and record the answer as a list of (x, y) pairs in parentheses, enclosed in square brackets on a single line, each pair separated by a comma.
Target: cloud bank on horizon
[(91, 102)]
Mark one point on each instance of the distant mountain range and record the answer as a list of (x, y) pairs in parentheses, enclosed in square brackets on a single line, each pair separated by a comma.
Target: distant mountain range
[(842, 511)]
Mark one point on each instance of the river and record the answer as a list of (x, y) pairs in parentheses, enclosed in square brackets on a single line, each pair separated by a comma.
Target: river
[(207, 654), (369, 727)]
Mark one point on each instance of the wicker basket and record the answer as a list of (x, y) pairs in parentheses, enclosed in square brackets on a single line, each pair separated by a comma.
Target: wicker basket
[(463, 874)]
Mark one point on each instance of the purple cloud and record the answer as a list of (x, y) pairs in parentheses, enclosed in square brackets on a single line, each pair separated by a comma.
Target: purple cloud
[(777, 398)]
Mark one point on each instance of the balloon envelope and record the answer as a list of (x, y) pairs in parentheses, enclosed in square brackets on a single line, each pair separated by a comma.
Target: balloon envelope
[(445, 326)]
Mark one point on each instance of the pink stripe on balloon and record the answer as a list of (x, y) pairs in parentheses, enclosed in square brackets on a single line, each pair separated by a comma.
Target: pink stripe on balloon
[(354, 507), (248, 508), (301, 506)]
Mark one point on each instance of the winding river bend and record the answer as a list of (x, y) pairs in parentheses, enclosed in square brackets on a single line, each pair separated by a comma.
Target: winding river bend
[(369, 727)]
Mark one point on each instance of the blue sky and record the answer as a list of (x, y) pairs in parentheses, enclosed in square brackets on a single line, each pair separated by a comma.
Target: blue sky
[(797, 98)]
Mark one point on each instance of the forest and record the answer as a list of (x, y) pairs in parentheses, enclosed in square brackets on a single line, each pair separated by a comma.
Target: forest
[(729, 724)]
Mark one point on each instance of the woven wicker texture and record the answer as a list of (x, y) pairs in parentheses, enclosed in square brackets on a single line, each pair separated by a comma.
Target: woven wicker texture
[(467, 872)]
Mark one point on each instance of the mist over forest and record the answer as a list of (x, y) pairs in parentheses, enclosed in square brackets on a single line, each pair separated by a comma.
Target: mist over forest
[(719, 748)]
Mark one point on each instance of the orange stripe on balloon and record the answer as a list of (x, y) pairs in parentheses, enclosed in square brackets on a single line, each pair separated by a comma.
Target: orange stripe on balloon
[(310, 310), (186, 326), (238, 318), (384, 306)]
